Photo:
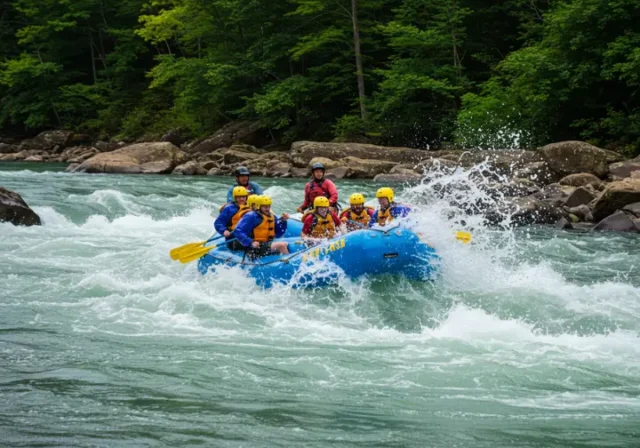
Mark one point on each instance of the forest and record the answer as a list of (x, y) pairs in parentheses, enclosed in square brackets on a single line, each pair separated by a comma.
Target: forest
[(419, 73)]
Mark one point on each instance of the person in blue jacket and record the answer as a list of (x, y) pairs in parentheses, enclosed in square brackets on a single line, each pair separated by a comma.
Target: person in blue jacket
[(388, 209), (257, 230), (242, 180), (230, 215)]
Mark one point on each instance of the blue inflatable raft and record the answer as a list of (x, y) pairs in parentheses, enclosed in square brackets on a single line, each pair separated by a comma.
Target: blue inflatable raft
[(361, 252)]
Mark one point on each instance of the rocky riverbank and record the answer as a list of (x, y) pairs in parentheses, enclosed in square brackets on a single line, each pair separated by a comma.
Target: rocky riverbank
[(566, 183)]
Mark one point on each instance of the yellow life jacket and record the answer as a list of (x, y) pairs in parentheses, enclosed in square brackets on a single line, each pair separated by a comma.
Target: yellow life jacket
[(235, 219), (361, 218), (266, 230), (384, 216), (322, 227)]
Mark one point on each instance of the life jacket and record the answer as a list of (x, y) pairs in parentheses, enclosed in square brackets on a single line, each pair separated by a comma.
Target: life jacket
[(362, 218), (384, 216), (235, 219), (249, 188), (321, 227), (314, 189), (266, 230)]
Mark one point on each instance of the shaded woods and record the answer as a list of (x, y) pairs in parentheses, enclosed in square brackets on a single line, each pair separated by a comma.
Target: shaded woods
[(402, 72)]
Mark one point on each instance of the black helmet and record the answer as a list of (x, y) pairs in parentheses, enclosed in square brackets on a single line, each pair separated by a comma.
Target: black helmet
[(317, 166), (242, 171)]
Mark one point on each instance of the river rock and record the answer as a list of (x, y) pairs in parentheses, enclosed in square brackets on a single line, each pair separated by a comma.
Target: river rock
[(633, 209), (35, 158), (435, 165), (190, 169), (538, 172), (339, 172), (15, 210), (237, 131), (616, 196), (580, 196), (72, 167), (583, 212), (525, 211), (6, 148), (500, 161), (232, 156), (303, 172), (619, 222), (175, 136), (564, 223), (103, 146), (398, 177), (581, 180), (278, 169), (139, 158), (573, 157), (624, 169), (366, 168), (49, 140), (304, 151)]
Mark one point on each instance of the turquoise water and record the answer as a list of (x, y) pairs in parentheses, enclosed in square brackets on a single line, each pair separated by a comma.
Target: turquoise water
[(528, 338)]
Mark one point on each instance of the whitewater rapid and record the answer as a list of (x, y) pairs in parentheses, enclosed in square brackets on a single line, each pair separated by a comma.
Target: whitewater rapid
[(529, 334)]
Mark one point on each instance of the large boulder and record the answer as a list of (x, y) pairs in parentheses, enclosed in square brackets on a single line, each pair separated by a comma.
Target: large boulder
[(237, 131), (15, 210), (304, 151), (624, 169), (616, 196), (53, 140), (501, 161), (6, 148), (580, 196), (366, 168), (619, 222), (139, 158), (538, 172), (582, 180), (525, 211), (572, 157), (398, 177), (77, 154), (190, 169), (232, 156), (633, 209)]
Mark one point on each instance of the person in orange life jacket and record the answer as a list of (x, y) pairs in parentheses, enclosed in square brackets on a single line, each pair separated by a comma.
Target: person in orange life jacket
[(357, 212), (230, 215), (257, 229), (242, 180), (388, 209), (321, 222), (318, 186)]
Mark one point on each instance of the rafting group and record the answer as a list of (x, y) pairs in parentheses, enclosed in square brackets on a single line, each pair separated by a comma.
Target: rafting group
[(248, 225)]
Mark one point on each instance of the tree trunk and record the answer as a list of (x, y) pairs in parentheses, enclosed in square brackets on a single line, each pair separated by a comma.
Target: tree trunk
[(356, 47), (93, 60)]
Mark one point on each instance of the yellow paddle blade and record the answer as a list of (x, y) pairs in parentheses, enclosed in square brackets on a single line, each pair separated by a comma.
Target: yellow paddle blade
[(175, 253), (191, 255), (464, 237)]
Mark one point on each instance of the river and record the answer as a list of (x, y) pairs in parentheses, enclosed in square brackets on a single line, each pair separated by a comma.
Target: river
[(527, 338)]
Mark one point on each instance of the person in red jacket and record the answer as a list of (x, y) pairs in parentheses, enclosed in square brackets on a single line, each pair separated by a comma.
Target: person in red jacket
[(321, 222), (319, 186)]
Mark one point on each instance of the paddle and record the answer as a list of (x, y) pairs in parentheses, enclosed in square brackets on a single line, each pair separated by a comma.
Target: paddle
[(175, 253), (187, 257), (464, 237)]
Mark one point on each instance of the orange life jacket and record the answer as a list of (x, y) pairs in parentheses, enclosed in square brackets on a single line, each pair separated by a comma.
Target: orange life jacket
[(362, 218), (235, 219), (384, 216), (266, 230), (322, 227)]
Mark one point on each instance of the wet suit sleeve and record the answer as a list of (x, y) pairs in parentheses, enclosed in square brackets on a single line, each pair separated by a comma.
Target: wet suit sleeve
[(281, 227), (400, 211), (230, 194), (222, 221), (244, 228), (332, 190), (374, 219), (257, 189), (336, 220)]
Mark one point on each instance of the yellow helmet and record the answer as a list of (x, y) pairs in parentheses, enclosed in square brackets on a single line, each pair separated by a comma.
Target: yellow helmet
[(263, 200), (251, 201), (356, 199), (321, 201), (385, 192), (239, 191)]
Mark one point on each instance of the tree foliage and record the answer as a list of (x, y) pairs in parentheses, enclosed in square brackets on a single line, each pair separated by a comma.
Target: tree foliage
[(433, 72)]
